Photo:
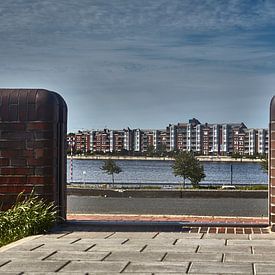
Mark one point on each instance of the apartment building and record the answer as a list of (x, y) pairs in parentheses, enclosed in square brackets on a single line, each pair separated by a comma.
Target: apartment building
[(203, 139)]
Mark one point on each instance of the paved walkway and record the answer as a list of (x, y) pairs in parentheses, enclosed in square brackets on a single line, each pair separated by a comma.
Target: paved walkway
[(85, 248)]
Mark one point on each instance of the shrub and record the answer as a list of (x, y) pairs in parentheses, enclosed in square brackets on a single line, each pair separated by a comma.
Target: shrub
[(28, 216)]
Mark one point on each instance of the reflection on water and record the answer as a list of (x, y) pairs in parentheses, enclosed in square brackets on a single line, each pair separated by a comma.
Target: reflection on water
[(157, 172)]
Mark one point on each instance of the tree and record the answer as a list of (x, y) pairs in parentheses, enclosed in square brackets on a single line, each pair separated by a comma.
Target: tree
[(264, 164), (110, 167), (188, 167)]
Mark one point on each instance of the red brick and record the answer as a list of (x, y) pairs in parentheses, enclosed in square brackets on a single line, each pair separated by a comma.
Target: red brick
[(272, 218), (40, 144), (15, 189), (16, 171), (11, 153), (272, 199), (7, 144), (13, 126), (44, 171), (248, 231), (4, 161), (40, 126), (213, 230), (12, 179), (39, 180), (18, 162), (221, 230), (230, 230)]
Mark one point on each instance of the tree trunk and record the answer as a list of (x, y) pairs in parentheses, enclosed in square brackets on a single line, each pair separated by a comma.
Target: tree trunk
[(113, 180)]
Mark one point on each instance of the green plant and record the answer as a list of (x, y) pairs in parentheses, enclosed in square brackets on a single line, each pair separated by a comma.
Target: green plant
[(188, 166), (29, 215), (110, 167)]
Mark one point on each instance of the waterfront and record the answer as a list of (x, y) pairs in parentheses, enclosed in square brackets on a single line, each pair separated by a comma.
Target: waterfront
[(152, 172)]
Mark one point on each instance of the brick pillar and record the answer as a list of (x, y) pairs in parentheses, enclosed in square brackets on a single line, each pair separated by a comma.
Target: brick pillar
[(33, 125), (271, 161)]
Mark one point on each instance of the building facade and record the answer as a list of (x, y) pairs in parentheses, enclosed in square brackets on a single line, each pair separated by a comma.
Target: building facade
[(202, 139)]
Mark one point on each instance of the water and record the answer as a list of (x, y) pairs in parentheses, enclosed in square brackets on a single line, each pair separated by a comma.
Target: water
[(160, 172)]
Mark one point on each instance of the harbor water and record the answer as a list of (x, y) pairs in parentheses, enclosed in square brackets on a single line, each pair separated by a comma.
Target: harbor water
[(155, 172)]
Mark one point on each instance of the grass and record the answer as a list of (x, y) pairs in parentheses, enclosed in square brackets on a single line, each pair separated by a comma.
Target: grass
[(28, 216)]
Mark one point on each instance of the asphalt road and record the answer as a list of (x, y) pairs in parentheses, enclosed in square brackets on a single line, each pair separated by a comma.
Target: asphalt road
[(244, 207)]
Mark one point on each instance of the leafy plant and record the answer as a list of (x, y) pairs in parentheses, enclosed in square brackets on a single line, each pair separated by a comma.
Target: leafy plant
[(30, 215), (110, 167), (188, 166)]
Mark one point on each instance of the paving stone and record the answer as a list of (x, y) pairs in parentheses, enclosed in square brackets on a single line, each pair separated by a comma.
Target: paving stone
[(171, 248), (136, 235), (35, 255), (263, 249), (265, 268), (263, 236), (152, 241), (178, 235), (212, 268), (209, 242), (28, 246), (54, 240), (136, 256), (116, 241), (106, 267), (192, 257), (32, 265), (252, 242), (249, 258), (78, 256), (226, 236), (224, 249), (65, 247), (157, 267), (110, 248), (70, 273), (89, 235)]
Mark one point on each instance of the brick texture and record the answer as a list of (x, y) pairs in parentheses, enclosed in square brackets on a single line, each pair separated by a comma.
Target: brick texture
[(33, 125), (272, 165)]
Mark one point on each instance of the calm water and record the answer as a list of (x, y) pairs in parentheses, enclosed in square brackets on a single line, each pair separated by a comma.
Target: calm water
[(160, 172)]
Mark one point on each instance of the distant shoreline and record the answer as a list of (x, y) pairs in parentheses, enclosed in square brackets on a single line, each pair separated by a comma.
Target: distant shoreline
[(201, 158)]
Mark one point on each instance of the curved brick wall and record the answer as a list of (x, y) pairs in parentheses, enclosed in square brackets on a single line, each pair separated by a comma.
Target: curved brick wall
[(33, 126)]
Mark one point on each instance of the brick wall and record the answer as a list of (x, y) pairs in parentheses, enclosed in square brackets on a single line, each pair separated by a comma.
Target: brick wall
[(32, 145), (272, 165)]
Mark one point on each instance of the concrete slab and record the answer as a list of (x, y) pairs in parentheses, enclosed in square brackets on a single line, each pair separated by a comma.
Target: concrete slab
[(102, 241), (110, 248), (178, 235), (226, 236), (65, 247), (263, 249), (152, 241), (78, 256), (258, 242), (32, 265), (224, 249), (87, 234), (90, 267), (136, 256), (170, 248), (209, 242), (167, 267), (249, 258), (212, 268), (35, 255), (134, 235), (265, 269), (193, 257)]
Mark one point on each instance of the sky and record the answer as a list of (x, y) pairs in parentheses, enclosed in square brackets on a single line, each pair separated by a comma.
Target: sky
[(144, 63)]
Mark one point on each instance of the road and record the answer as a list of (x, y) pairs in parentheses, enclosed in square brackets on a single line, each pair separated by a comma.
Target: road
[(244, 207)]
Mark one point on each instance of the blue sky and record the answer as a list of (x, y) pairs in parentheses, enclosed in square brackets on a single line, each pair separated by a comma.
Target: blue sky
[(144, 63)]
